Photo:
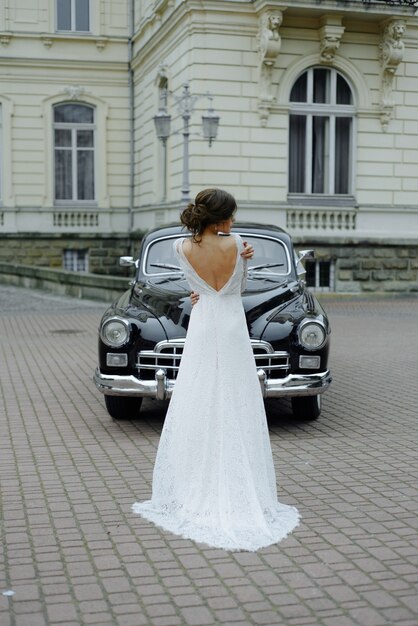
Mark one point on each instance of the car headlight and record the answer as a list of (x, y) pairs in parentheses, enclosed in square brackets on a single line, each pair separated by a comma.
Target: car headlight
[(115, 332), (312, 335)]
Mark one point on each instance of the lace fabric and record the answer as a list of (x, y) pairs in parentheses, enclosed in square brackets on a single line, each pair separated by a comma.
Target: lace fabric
[(214, 480)]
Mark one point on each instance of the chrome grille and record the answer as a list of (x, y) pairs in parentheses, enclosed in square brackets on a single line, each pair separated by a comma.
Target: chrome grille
[(167, 355), (275, 364)]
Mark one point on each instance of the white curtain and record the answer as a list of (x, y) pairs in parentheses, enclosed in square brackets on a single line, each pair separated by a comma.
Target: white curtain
[(297, 149)]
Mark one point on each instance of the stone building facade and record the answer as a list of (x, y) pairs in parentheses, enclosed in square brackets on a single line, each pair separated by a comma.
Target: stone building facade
[(318, 128)]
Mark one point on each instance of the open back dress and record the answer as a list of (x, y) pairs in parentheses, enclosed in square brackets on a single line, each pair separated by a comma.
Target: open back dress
[(214, 480)]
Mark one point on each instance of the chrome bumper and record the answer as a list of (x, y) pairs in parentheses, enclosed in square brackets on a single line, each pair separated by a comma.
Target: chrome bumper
[(162, 387)]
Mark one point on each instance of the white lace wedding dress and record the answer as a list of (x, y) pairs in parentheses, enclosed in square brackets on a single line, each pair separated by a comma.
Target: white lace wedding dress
[(214, 479)]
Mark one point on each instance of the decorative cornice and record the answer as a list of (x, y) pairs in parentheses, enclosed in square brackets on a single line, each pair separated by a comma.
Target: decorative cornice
[(63, 64), (390, 55)]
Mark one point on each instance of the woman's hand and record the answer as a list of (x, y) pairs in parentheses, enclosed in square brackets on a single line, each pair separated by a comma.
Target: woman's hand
[(194, 297), (248, 251)]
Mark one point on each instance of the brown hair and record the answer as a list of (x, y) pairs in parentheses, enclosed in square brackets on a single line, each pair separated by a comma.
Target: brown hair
[(211, 206)]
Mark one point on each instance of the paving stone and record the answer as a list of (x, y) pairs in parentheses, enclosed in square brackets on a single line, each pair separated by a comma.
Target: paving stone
[(61, 612), (88, 592), (197, 616), (226, 616), (29, 619), (188, 600), (170, 620)]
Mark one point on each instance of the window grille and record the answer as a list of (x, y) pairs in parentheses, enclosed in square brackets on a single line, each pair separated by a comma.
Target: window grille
[(320, 275), (75, 260)]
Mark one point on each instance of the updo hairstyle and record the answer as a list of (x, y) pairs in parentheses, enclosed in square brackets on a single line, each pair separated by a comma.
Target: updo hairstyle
[(211, 206)]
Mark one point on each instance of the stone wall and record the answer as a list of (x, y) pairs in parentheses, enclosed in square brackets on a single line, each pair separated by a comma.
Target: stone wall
[(47, 250), (358, 267), (364, 267), (62, 282)]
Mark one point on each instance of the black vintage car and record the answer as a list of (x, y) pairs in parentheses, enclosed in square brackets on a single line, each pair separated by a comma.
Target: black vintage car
[(142, 334)]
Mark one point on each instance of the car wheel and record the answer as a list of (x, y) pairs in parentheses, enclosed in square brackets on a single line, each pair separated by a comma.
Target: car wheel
[(122, 408), (307, 407)]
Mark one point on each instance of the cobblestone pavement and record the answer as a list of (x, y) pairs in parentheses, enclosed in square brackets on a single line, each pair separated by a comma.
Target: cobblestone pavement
[(73, 553)]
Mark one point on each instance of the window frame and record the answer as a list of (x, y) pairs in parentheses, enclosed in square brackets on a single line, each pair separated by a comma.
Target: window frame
[(317, 287), (331, 111), (74, 256), (73, 28), (74, 127)]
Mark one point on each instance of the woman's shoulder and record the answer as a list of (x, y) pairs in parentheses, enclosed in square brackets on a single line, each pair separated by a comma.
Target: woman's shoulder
[(238, 239), (178, 244)]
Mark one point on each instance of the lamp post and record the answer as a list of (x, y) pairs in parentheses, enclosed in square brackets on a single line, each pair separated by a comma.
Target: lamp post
[(185, 104)]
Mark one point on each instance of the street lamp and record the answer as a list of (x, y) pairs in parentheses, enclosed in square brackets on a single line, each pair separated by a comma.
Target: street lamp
[(185, 105)]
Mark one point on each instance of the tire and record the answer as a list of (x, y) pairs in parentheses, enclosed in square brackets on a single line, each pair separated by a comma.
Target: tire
[(121, 408), (307, 407)]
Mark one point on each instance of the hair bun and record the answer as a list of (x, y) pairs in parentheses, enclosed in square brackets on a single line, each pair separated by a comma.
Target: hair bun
[(211, 206)]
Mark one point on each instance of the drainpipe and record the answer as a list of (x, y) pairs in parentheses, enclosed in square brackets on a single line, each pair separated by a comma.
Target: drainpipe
[(131, 125)]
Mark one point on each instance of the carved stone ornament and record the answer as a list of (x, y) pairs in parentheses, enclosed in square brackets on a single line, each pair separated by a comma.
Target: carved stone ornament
[(101, 43), (160, 6), (162, 72), (75, 92), (5, 39), (391, 54), (47, 41), (330, 35), (269, 44)]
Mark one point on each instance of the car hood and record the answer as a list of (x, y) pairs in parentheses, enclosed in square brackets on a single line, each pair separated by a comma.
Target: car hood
[(168, 298)]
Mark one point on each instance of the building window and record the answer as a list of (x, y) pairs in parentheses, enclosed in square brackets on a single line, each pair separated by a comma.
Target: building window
[(74, 152), (321, 134), (73, 15), (75, 260), (320, 275)]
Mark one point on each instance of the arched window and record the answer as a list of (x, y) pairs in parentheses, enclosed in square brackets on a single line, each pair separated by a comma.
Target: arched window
[(74, 152), (321, 133)]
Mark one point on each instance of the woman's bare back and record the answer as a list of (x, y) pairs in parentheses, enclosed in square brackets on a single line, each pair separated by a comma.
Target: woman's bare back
[(213, 259)]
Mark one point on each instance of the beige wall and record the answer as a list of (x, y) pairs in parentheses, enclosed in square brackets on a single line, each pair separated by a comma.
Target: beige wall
[(28, 17), (213, 46), (40, 68), (216, 49)]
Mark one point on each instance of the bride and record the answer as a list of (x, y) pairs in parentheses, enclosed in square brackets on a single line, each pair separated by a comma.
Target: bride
[(214, 479)]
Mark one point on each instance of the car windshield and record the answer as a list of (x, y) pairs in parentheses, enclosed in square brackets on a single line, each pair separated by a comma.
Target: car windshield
[(271, 257)]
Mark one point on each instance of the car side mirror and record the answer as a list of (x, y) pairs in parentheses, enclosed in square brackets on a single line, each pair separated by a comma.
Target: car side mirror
[(303, 254), (126, 261)]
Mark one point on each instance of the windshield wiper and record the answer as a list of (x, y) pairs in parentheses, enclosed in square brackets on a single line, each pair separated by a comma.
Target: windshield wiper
[(166, 266), (264, 266)]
